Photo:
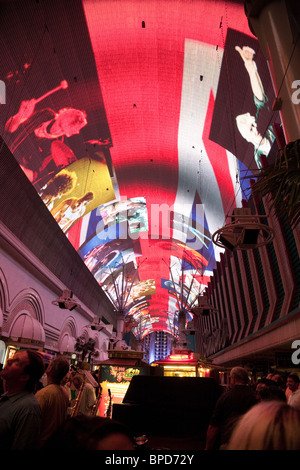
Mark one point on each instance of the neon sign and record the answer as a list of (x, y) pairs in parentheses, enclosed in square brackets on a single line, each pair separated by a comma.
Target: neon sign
[(181, 357)]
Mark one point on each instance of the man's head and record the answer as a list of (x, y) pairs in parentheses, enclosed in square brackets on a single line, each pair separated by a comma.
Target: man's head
[(77, 381), (293, 382), (247, 127), (23, 371), (239, 376), (57, 370), (68, 122)]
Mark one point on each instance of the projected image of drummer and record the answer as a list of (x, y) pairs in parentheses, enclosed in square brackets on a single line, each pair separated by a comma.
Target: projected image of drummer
[(37, 135)]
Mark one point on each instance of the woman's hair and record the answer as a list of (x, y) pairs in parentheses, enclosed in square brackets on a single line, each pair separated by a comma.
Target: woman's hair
[(64, 182), (269, 425), (85, 432)]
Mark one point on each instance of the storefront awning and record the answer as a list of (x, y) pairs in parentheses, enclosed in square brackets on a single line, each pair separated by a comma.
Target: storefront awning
[(27, 329), (67, 344)]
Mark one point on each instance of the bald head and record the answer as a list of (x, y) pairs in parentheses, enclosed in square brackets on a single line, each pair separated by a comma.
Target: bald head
[(239, 376)]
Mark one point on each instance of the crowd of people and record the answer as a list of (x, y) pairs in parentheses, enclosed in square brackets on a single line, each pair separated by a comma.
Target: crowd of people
[(38, 403), (264, 415)]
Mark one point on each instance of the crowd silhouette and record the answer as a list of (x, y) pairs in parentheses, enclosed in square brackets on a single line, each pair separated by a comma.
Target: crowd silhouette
[(52, 406)]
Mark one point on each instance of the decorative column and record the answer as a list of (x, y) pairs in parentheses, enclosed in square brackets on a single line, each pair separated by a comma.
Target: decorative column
[(120, 324), (276, 24)]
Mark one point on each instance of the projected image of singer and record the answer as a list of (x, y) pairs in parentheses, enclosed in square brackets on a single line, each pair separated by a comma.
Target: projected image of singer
[(246, 123), (68, 211), (38, 133)]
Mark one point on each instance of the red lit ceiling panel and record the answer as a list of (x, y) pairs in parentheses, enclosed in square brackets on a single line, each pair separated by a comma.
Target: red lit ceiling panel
[(123, 116)]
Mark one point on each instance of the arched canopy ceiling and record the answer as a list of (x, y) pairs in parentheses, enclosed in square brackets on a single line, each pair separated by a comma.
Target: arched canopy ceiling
[(123, 116)]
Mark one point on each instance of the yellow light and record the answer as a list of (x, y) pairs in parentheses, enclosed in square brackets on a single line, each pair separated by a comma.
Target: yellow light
[(179, 368)]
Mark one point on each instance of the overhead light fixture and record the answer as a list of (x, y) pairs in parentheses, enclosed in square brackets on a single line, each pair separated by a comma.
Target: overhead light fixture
[(203, 307), (70, 305), (65, 301), (246, 231), (277, 104), (97, 324), (228, 240)]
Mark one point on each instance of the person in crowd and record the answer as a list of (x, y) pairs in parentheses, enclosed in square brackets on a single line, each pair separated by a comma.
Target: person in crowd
[(269, 425), (271, 393), (91, 433), (260, 385), (292, 384), (20, 413), (294, 399), (229, 407), (60, 185), (65, 384), (278, 379), (88, 394), (268, 389), (53, 398)]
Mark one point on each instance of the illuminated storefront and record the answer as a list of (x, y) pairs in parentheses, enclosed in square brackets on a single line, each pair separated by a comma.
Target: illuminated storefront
[(115, 375), (184, 364)]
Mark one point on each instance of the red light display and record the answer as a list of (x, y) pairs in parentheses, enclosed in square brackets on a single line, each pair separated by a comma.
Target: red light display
[(181, 357), (133, 103)]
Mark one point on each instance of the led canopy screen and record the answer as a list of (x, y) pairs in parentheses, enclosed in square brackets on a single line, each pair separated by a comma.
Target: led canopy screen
[(130, 120)]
